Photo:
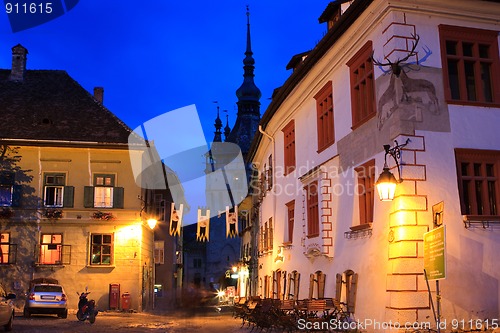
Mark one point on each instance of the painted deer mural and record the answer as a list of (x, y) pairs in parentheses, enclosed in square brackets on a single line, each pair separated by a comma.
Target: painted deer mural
[(403, 89)]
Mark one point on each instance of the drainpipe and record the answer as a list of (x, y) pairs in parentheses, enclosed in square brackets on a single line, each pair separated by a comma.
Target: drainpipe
[(274, 168)]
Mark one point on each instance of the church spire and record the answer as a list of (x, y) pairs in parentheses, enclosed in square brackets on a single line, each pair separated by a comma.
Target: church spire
[(218, 126), (227, 129), (248, 91)]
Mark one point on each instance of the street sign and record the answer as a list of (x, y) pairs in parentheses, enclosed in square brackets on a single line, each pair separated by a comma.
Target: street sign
[(435, 253)]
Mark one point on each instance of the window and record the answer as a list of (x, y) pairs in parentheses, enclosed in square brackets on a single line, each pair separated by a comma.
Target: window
[(289, 147), (159, 252), (290, 207), (53, 190), (50, 249), (159, 207), (324, 110), (7, 250), (365, 191), (477, 173), (270, 174), (9, 193), (101, 249), (312, 209), (103, 194), (471, 65), (362, 86), (197, 262)]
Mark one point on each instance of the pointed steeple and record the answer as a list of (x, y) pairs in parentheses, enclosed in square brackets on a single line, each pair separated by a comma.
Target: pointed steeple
[(248, 117), (227, 129), (248, 91), (218, 126)]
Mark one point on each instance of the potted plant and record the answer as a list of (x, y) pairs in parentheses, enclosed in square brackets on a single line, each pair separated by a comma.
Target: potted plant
[(102, 216), (53, 213)]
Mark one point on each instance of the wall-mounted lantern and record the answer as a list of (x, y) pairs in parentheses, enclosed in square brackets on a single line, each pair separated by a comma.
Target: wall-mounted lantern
[(386, 182)]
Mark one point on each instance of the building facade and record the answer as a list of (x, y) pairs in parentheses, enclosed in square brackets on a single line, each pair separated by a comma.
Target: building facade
[(419, 75), (70, 206)]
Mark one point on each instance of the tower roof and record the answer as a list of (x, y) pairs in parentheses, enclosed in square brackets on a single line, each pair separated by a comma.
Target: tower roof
[(248, 91)]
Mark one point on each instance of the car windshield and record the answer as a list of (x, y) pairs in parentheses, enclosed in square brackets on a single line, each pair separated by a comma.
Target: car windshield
[(50, 289)]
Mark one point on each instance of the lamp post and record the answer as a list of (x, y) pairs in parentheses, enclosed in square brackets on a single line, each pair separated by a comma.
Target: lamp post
[(386, 182)]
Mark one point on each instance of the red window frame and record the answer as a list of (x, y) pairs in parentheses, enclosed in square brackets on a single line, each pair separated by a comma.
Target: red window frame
[(312, 199), (362, 86), (290, 217), (471, 65), (478, 181), (324, 114), (366, 191), (289, 147)]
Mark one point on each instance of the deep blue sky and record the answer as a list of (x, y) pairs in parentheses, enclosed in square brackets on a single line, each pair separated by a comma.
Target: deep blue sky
[(154, 56)]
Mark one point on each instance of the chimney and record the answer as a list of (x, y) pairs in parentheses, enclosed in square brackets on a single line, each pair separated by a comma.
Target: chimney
[(99, 94), (18, 63)]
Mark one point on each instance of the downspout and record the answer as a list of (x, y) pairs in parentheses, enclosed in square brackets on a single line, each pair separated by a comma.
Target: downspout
[(272, 175)]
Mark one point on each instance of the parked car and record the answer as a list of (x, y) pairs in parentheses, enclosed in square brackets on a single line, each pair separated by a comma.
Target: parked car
[(6, 309), (46, 296)]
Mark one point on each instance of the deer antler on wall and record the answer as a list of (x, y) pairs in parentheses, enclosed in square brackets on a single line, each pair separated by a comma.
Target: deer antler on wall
[(395, 67)]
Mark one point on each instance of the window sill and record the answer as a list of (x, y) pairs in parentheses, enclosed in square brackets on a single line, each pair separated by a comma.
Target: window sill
[(100, 266), (49, 265), (359, 231), (313, 236), (484, 221), (325, 147)]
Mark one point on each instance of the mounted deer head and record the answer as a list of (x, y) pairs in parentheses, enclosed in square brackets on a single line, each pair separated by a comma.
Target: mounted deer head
[(396, 67)]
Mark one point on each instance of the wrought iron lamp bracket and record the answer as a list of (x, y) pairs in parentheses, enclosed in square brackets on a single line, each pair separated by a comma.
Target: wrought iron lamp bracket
[(395, 152)]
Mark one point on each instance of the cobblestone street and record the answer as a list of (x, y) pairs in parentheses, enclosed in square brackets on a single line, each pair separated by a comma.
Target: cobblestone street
[(133, 323)]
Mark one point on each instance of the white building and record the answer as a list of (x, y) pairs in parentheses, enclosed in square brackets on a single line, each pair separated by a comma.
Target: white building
[(322, 231)]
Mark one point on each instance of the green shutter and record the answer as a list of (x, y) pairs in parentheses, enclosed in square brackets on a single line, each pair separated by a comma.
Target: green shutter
[(16, 195), (88, 196), (69, 193), (118, 197)]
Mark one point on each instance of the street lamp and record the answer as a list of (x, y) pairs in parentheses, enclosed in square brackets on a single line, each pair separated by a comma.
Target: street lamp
[(386, 182)]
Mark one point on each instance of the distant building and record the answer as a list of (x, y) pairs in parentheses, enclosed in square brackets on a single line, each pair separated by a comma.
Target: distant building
[(70, 207), (319, 227), (223, 253)]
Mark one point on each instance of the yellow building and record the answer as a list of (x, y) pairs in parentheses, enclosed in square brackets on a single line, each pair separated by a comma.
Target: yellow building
[(70, 208)]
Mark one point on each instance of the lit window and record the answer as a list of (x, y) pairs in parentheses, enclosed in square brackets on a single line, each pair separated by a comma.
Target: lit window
[(103, 192), (4, 247), (101, 249), (53, 190), (50, 249), (6, 188)]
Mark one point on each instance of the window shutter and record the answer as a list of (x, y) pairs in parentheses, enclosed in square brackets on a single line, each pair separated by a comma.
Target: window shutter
[(311, 285), (283, 285), (351, 301), (16, 195), (88, 196), (291, 282), (118, 197), (12, 253), (66, 255), (338, 287), (321, 285), (68, 200), (296, 285)]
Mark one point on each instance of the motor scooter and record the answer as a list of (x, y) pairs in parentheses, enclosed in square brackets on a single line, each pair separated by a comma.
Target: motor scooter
[(86, 308)]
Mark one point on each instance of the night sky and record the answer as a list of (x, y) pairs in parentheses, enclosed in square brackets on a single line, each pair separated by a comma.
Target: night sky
[(154, 56)]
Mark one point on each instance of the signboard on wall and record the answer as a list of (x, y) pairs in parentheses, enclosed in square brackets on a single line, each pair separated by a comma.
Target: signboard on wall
[(435, 253)]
